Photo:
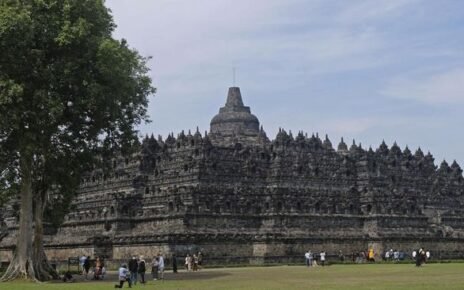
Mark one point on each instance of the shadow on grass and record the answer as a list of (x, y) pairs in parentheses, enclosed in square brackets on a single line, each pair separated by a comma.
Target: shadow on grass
[(200, 275), (181, 276)]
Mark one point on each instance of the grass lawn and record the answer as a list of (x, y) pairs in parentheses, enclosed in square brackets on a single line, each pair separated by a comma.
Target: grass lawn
[(346, 277)]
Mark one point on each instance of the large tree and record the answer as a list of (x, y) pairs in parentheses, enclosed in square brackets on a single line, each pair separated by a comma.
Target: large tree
[(68, 91)]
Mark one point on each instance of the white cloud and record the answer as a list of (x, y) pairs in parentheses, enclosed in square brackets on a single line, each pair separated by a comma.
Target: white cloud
[(364, 10), (290, 52), (441, 88), (184, 36)]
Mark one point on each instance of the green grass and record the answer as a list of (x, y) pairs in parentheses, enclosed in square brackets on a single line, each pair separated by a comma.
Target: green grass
[(346, 277)]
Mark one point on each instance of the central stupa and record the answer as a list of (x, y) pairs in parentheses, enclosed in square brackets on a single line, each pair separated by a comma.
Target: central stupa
[(235, 118)]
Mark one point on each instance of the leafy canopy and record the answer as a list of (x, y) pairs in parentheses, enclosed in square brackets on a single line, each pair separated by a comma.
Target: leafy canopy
[(68, 90)]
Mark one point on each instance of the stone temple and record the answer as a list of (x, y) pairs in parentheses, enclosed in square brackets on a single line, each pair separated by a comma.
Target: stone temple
[(240, 197)]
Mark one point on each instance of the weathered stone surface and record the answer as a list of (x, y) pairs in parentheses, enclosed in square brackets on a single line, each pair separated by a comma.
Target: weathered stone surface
[(242, 198)]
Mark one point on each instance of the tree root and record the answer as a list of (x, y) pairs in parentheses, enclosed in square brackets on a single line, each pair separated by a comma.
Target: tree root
[(43, 269), (37, 271), (19, 270)]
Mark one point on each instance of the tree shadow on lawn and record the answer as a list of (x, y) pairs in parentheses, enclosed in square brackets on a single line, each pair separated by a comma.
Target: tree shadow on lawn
[(180, 276)]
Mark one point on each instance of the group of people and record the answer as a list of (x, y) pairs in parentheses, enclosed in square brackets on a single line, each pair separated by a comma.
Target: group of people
[(363, 256), (193, 262), (157, 267), (136, 268), (396, 255), (130, 273), (311, 258), (421, 256), (97, 265)]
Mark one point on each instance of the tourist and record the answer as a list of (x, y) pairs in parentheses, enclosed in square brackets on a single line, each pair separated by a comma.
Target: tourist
[(310, 259), (154, 268), (142, 268), (195, 262), (423, 256), (307, 254), (103, 272), (174, 263), (370, 255), (82, 262), (200, 260), (396, 256), (161, 266), (86, 267), (387, 255), (188, 263), (314, 259), (414, 253), (133, 269), (322, 256), (123, 274), (419, 258), (427, 255), (68, 277), (97, 269)]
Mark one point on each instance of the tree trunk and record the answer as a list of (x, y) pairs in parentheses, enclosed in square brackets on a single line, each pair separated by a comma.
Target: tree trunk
[(43, 270), (21, 265)]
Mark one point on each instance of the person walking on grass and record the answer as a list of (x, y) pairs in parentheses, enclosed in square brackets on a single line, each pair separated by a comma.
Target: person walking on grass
[(87, 267), (307, 254), (195, 263), (154, 268), (370, 255), (142, 268), (161, 266), (188, 263), (133, 268), (322, 256), (82, 262)]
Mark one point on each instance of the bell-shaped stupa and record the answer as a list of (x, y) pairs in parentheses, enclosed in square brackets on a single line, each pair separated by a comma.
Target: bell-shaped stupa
[(235, 118)]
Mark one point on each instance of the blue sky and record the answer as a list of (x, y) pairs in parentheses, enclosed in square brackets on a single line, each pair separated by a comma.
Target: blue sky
[(365, 70)]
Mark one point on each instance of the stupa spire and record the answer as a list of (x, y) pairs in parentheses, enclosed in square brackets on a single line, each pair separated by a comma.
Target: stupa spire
[(234, 98)]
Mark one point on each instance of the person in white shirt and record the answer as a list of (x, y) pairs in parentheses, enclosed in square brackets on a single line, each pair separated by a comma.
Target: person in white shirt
[(82, 262), (307, 259), (123, 274), (322, 255), (161, 266)]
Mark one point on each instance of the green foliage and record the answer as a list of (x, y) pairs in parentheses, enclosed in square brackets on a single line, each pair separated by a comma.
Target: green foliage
[(68, 92)]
